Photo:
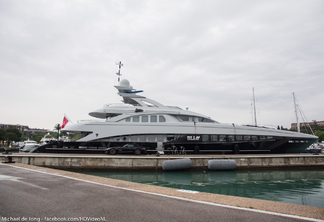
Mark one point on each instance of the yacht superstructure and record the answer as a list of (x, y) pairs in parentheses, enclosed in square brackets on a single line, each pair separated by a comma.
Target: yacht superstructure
[(149, 123)]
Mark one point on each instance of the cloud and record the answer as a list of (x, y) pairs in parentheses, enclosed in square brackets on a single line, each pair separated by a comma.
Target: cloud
[(59, 57)]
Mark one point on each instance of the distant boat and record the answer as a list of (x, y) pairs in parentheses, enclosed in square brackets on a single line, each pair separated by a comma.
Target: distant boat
[(28, 146), (315, 148), (47, 139)]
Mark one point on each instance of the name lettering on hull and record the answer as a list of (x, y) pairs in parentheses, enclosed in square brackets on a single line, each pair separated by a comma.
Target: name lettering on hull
[(193, 138)]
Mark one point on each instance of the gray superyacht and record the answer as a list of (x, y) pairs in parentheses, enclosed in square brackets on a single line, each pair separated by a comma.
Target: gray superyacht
[(147, 123)]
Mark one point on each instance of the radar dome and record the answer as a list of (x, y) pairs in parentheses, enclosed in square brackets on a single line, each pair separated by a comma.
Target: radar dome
[(125, 83)]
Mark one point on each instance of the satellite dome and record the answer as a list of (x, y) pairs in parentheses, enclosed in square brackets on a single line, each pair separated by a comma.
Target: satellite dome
[(125, 83)]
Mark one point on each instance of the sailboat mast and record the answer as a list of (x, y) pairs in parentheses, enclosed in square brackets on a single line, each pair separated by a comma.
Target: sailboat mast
[(297, 120), (255, 119)]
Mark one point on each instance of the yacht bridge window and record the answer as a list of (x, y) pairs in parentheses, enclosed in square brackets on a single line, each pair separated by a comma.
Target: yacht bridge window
[(146, 119), (200, 119), (185, 118)]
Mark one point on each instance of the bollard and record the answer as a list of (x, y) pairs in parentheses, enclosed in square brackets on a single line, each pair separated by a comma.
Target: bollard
[(9, 160)]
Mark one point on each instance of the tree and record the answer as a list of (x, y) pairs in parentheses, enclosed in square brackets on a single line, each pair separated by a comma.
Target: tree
[(11, 137), (320, 135), (2, 136), (58, 128), (15, 131)]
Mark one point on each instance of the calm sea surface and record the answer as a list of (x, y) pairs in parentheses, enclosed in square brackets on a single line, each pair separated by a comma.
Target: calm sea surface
[(304, 187)]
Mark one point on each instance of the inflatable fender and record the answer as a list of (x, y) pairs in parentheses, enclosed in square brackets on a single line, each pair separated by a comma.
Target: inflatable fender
[(178, 164), (221, 164)]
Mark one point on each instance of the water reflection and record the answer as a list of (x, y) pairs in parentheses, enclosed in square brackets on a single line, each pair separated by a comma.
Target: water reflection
[(305, 187)]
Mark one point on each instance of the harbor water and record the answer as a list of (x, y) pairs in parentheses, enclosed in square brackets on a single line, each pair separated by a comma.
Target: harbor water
[(303, 187)]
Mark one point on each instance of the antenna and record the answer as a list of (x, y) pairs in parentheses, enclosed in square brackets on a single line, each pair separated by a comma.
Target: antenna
[(118, 73)]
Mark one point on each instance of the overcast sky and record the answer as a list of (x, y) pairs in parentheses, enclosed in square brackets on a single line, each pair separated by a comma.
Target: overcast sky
[(59, 57)]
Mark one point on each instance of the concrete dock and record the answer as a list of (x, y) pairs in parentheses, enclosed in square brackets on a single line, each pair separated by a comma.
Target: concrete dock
[(32, 193), (152, 162)]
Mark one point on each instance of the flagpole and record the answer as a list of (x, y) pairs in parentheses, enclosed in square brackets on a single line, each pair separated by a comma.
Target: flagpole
[(68, 118)]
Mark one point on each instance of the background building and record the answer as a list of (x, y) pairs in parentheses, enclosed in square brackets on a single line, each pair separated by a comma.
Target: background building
[(22, 128), (313, 123)]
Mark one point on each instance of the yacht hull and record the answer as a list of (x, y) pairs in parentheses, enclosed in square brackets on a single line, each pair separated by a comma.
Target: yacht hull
[(200, 138)]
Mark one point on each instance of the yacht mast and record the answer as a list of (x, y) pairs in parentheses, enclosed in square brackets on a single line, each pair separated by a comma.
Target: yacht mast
[(255, 119), (295, 104), (118, 73)]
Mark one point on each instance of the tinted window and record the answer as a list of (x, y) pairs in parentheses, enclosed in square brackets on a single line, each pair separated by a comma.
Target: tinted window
[(214, 138), (153, 119), (142, 138), (136, 119), (117, 138), (145, 119), (184, 118), (201, 119), (239, 138), (160, 138), (262, 137), (205, 138), (170, 137), (151, 138), (246, 137), (134, 138), (230, 138), (161, 119), (208, 120), (128, 119), (222, 137)]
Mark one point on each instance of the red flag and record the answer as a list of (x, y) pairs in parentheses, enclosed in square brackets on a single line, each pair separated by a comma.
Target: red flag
[(65, 121)]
